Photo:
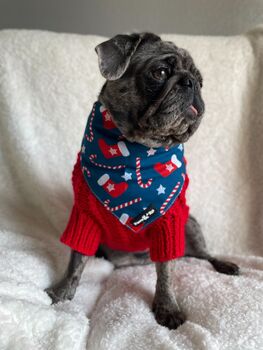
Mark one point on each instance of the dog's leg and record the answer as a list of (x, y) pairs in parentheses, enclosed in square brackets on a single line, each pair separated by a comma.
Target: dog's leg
[(166, 310), (66, 288), (196, 247)]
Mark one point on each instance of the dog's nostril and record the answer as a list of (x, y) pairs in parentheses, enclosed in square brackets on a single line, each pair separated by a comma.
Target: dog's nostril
[(189, 83), (186, 82)]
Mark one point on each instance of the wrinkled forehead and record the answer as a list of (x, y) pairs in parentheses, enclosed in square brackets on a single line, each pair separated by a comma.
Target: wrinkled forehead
[(151, 53)]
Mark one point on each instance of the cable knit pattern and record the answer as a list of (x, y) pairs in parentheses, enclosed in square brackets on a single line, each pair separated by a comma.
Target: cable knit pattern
[(91, 224)]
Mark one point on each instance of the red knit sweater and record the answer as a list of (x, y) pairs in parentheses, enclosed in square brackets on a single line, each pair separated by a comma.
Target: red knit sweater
[(90, 224)]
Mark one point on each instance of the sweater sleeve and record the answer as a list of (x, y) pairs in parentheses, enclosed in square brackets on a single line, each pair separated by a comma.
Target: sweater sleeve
[(167, 235), (82, 233)]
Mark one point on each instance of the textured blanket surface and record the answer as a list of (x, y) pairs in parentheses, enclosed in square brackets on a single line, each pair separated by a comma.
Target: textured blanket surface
[(48, 83)]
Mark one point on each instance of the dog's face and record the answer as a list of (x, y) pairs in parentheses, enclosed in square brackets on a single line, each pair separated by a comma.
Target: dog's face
[(153, 89)]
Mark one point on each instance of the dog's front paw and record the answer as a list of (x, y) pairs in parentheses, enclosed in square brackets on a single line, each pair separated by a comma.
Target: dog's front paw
[(61, 292), (170, 318), (226, 267)]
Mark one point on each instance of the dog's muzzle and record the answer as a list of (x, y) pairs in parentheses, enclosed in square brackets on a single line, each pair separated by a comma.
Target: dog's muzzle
[(183, 80)]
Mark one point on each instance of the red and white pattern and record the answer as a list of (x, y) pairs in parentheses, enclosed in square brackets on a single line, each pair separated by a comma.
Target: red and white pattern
[(112, 151), (125, 219), (107, 119), (112, 188), (87, 171), (162, 209), (91, 137), (92, 158), (122, 205), (165, 169), (139, 176)]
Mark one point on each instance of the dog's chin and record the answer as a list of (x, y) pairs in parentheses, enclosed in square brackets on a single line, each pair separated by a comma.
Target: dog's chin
[(166, 129), (169, 140)]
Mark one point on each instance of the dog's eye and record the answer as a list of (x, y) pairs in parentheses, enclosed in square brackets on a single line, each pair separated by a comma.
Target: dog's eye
[(160, 74)]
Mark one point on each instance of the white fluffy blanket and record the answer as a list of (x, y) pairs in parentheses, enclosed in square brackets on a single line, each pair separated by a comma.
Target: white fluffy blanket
[(48, 82)]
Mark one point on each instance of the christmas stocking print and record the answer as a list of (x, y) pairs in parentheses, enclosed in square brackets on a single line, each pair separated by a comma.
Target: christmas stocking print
[(125, 219), (112, 188), (112, 151), (167, 168), (125, 176), (107, 120)]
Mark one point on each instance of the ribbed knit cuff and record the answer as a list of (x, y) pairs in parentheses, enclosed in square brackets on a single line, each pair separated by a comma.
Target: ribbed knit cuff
[(81, 233), (168, 238)]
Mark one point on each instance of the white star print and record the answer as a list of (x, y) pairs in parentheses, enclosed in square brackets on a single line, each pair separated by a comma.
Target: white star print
[(180, 147), (107, 117), (151, 152), (161, 190), (112, 151), (110, 187), (127, 176), (83, 149), (169, 167)]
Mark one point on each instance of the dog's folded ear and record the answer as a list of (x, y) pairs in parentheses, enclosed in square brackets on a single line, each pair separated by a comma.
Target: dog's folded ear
[(115, 54)]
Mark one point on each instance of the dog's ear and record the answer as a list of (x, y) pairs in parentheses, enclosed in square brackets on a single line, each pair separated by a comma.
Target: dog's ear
[(115, 54)]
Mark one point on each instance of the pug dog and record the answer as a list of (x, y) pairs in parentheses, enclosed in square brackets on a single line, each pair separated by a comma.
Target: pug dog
[(153, 95)]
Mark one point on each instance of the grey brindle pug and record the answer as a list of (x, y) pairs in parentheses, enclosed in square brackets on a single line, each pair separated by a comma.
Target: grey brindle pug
[(153, 92)]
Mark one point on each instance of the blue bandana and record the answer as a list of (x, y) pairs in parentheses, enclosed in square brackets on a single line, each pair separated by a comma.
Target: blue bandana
[(135, 183)]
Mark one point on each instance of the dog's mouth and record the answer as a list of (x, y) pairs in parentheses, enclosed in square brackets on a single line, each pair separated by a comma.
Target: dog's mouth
[(174, 116), (173, 103), (170, 125)]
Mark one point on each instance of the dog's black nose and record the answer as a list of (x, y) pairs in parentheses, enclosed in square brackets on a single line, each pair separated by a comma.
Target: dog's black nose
[(186, 82)]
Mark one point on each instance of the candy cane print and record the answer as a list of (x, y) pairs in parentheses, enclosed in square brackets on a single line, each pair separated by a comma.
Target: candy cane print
[(139, 176), (122, 205), (91, 137), (92, 158), (169, 198), (87, 171)]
